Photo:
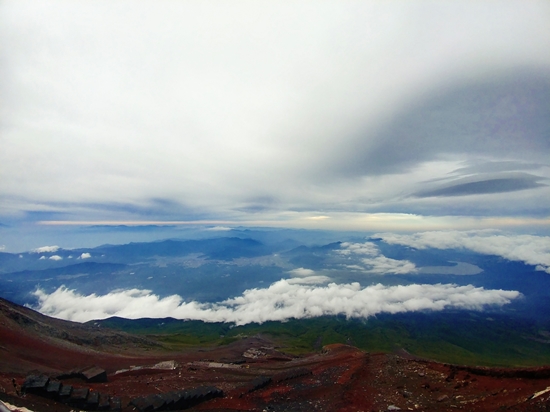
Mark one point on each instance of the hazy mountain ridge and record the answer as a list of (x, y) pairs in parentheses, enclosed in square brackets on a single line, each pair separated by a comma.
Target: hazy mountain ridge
[(220, 268)]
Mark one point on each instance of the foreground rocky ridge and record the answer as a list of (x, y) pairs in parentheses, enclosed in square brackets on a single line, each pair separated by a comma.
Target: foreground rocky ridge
[(248, 375), (20, 318)]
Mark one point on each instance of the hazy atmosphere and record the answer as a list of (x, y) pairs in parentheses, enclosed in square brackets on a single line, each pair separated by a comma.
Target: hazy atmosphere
[(310, 158), (335, 115), (326, 205)]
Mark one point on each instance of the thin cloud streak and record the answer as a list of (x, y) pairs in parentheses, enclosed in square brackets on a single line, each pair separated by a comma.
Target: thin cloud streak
[(132, 222), (337, 221)]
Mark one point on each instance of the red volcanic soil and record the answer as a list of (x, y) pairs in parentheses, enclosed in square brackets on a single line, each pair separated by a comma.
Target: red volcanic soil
[(253, 375)]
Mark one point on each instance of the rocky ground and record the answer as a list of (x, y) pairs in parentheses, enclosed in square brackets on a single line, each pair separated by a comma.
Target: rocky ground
[(252, 373)]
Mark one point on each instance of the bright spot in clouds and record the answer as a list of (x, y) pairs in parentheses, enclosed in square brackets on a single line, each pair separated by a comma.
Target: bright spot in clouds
[(56, 257), (281, 301), (85, 255)]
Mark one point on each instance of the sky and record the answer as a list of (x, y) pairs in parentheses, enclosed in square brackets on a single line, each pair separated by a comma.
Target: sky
[(356, 115)]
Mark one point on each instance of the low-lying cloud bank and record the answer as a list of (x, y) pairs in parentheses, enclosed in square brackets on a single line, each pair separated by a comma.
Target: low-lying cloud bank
[(305, 276), (281, 301), (46, 249), (532, 250), (375, 262)]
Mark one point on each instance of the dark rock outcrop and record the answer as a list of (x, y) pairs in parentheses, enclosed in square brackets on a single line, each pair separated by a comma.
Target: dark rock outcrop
[(176, 400), (36, 384), (82, 397)]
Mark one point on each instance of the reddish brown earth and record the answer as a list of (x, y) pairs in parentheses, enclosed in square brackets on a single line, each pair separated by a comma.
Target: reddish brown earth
[(339, 378)]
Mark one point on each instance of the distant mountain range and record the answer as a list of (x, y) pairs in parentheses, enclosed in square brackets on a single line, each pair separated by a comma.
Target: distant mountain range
[(258, 277), (216, 269)]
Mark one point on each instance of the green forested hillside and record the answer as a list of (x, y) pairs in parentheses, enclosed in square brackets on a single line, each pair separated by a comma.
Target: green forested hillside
[(460, 337)]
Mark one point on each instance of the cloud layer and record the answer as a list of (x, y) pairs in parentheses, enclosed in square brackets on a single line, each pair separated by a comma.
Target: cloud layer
[(532, 250), (375, 262), (249, 111), (281, 301), (46, 249), (303, 276), (481, 184)]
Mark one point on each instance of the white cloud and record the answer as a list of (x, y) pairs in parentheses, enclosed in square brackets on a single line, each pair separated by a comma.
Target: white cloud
[(305, 276), (309, 280), (85, 255), (42, 258), (532, 250), (301, 272), (459, 268), (305, 94), (280, 301), (355, 267), (55, 257), (219, 229), (375, 263), (367, 248), (384, 265), (46, 249), (2, 247)]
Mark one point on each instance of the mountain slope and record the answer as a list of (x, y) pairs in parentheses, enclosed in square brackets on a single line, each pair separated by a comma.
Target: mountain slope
[(252, 373), (30, 340)]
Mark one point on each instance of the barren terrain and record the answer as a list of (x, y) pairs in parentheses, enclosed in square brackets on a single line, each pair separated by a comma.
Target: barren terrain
[(252, 373)]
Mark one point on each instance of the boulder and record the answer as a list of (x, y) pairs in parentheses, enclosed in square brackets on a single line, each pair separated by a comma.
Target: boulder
[(35, 384), (65, 392), (53, 389), (103, 403), (79, 398), (94, 374), (92, 401), (260, 382)]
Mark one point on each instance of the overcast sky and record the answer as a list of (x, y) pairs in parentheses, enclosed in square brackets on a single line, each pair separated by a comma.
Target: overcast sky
[(368, 115)]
